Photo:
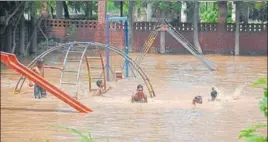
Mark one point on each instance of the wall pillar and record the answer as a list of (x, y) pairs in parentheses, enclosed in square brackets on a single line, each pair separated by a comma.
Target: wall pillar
[(100, 34)]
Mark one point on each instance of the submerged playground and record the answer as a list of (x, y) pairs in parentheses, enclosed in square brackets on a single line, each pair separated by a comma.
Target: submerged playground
[(100, 50)]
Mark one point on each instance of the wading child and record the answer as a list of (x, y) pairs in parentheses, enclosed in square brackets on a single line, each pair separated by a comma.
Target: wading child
[(213, 94), (197, 99), (39, 69), (139, 96), (100, 91)]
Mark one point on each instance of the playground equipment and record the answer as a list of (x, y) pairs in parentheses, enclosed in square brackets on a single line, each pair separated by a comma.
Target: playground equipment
[(67, 59), (11, 61), (163, 25), (93, 69), (108, 67), (132, 63), (190, 47), (148, 43), (31, 65)]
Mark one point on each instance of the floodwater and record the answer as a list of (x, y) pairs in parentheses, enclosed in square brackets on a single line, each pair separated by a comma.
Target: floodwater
[(169, 117)]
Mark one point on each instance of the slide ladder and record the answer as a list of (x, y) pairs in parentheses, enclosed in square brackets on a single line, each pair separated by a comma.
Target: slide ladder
[(66, 73), (148, 43), (96, 69), (190, 47), (12, 62)]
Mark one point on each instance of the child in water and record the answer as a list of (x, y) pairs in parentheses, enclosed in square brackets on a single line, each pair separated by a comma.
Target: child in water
[(39, 69), (197, 99), (139, 96), (100, 91), (213, 94)]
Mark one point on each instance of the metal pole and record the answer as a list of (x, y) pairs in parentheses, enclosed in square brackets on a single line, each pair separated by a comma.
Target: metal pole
[(107, 50), (126, 44)]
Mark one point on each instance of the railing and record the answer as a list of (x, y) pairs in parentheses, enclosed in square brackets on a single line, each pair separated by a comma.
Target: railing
[(148, 26), (247, 27)]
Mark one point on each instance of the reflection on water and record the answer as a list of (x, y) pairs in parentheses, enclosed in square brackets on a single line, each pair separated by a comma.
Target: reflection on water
[(166, 118)]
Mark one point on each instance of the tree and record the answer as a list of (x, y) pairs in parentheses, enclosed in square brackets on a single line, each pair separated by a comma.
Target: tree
[(195, 25), (130, 21), (166, 7), (9, 15)]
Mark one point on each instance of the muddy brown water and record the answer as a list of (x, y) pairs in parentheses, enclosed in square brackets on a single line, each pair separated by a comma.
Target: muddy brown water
[(169, 117)]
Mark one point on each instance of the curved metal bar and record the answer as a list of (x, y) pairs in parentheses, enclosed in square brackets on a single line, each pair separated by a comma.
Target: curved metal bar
[(32, 63), (132, 62), (118, 51), (79, 69), (88, 74), (103, 69)]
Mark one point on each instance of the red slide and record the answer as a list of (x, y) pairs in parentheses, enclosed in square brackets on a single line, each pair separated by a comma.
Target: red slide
[(11, 61)]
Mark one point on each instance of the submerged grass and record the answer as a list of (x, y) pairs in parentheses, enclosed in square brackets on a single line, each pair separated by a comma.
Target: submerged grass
[(83, 136)]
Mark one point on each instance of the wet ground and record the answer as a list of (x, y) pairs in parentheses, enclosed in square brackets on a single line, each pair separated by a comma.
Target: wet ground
[(168, 117)]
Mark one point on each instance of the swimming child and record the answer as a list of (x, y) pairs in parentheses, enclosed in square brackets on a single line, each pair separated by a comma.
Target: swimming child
[(197, 99), (139, 96), (100, 91), (39, 69), (213, 94)]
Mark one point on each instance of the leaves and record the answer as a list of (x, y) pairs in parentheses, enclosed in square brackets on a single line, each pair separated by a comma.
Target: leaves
[(209, 12), (84, 137), (261, 81), (250, 133), (263, 105)]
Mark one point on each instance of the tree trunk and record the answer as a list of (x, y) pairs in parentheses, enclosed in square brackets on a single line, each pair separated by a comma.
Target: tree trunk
[(130, 21), (22, 36), (162, 37), (66, 11), (14, 32), (190, 12), (52, 11), (89, 9), (221, 23), (195, 25), (245, 11), (121, 8), (183, 12), (9, 39), (149, 11), (59, 9), (33, 48), (237, 20)]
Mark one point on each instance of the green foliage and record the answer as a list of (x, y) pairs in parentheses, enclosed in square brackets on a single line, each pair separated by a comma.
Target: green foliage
[(83, 137), (261, 81), (263, 101), (260, 5), (250, 134), (114, 6), (229, 13), (209, 12), (167, 6), (83, 6)]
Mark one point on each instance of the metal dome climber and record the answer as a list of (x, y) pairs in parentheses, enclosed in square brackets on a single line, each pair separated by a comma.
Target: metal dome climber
[(99, 45)]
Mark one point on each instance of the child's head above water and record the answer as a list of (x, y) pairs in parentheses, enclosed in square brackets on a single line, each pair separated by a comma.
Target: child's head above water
[(99, 83), (39, 62), (139, 88)]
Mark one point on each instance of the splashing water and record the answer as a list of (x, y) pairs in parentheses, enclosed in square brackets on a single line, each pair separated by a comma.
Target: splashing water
[(238, 90)]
